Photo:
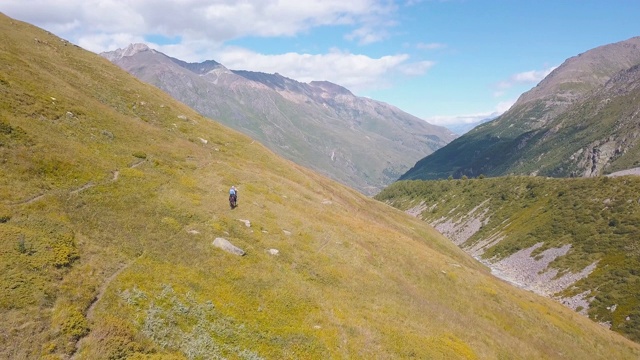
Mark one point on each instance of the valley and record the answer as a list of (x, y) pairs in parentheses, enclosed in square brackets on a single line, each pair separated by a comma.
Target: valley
[(573, 240)]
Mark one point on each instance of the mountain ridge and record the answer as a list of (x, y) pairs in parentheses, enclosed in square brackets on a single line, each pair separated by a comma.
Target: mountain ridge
[(361, 142), (552, 129)]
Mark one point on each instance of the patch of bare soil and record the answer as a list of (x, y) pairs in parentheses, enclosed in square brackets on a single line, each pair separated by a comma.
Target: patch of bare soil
[(520, 269), (82, 188), (634, 171), (533, 272), (461, 229), (417, 210), (30, 200)]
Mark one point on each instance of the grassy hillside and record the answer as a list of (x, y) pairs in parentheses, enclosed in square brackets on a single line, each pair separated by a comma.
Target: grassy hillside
[(111, 194), (598, 217), (580, 121)]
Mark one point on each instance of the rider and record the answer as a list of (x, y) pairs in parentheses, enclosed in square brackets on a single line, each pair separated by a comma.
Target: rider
[(233, 192)]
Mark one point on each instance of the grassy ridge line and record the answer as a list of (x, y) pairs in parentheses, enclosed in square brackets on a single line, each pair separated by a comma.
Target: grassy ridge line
[(355, 278), (598, 217)]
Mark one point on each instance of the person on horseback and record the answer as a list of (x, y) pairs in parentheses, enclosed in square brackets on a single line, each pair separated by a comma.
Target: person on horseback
[(233, 196)]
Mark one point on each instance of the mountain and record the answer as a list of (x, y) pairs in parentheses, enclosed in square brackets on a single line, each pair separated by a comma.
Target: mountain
[(582, 120), (363, 143), (113, 202), (463, 128), (574, 240)]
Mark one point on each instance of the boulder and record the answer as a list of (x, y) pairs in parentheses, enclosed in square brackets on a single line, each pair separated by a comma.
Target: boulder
[(225, 245)]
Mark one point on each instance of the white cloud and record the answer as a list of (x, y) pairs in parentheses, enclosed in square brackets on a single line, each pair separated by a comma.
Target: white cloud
[(216, 20), (503, 106), (354, 71), (499, 109), (526, 77), (367, 35), (104, 42), (202, 29), (458, 119), (204, 26), (430, 46), (374, 25), (416, 68)]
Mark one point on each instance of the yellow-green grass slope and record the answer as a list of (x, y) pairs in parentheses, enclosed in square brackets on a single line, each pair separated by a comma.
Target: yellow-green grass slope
[(111, 194)]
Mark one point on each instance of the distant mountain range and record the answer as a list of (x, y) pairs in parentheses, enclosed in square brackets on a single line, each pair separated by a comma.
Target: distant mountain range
[(360, 142), (582, 120), (464, 128)]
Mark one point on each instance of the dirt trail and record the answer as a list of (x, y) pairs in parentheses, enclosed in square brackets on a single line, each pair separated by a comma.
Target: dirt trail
[(29, 200), (82, 188), (104, 287), (107, 282), (116, 174), (101, 291)]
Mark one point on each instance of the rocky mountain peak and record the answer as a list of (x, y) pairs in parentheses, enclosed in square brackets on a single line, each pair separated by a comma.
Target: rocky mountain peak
[(581, 73), (202, 68), (130, 50)]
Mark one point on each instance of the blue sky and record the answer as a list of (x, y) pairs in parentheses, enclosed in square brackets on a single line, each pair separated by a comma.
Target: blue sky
[(448, 62)]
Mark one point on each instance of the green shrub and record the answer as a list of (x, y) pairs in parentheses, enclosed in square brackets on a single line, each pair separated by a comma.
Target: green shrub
[(64, 251), (23, 248), (5, 214), (75, 324), (5, 128)]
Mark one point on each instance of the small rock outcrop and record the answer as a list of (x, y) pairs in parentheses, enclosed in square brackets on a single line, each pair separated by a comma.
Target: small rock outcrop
[(225, 245)]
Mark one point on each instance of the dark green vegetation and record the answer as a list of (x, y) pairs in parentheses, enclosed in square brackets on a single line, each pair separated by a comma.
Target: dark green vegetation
[(582, 120), (599, 217), (111, 194), (357, 141)]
